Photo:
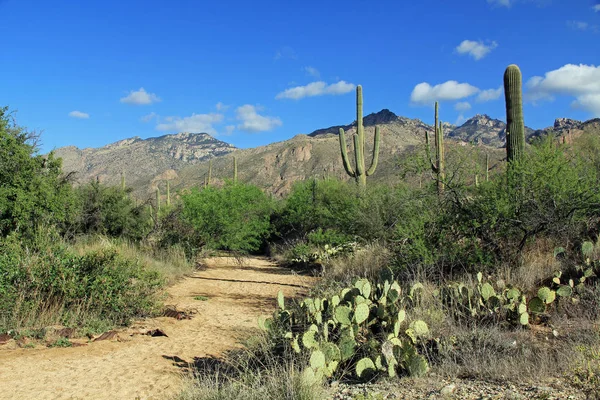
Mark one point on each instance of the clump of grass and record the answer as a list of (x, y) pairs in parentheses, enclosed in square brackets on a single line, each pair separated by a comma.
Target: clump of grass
[(200, 298), (365, 262), (251, 373)]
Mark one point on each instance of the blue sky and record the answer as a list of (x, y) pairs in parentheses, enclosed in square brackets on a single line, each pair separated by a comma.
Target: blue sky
[(92, 72)]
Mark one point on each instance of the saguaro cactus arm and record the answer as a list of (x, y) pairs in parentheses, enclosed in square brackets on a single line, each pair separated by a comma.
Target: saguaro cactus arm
[(345, 159), (375, 159), (428, 153)]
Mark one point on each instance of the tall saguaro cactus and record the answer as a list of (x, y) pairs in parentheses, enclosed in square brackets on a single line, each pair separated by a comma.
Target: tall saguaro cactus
[(235, 175), (168, 194), (359, 172), (515, 126), (157, 200), (437, 165), (207, 179)]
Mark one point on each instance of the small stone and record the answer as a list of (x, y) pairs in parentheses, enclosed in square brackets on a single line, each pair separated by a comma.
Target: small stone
[(448, 389)]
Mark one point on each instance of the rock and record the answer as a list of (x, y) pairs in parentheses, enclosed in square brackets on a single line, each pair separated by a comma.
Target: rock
[(448, 389), (566, 123)]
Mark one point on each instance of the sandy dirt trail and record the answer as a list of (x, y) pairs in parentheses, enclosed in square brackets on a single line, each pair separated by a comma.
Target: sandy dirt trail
[(144, 367)]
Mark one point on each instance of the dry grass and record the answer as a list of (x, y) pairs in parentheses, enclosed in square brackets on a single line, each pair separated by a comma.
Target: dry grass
[(171, 263), (366, 262), (251, 373)]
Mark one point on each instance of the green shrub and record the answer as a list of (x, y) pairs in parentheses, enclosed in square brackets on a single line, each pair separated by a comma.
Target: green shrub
[(110, 211), (549, 193), (235, 217), (33, 191), (101, 283)]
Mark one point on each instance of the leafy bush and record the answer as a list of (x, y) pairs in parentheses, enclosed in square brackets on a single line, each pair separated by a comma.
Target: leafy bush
[(109, 210), (234, 217), (33, 191), (102, 282)]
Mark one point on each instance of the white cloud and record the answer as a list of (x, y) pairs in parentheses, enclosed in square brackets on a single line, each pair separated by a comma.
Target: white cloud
[(312, 72), (489, 95), (149, 117), (319, 88), (79, 114), (229, 130), (462, 106), (221, 107), (252, 121), (596, 8), (504, 3), (578, 25), (140, 97), (424, 93), (196, 123), (580, 81), (477, 50)]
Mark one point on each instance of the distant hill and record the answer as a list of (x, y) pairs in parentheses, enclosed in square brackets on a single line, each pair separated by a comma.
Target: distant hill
[(143, 161), (183, 158)]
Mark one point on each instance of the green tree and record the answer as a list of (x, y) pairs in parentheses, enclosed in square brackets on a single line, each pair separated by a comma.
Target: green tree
[(33, 190), (235, 217), (108, 210)]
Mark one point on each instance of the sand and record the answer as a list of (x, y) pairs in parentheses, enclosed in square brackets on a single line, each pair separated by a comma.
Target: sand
[(136, 366)]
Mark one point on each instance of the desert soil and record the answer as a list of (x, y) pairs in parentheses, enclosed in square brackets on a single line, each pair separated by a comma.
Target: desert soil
[(137, 366)]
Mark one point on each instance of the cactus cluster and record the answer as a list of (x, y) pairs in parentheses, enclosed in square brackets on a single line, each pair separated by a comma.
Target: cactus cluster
[(363, 328), (437, 165), (487, 301), (359, 172)]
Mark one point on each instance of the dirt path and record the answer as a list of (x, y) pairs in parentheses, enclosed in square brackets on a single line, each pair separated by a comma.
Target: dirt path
[(144, 367)]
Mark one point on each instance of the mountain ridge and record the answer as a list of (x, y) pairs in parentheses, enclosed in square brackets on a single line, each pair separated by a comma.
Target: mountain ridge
[(183, 157)]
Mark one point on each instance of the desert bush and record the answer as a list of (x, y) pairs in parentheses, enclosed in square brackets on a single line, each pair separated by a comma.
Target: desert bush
[(550, 193), (53, 279), (110, 211), (235, 217)]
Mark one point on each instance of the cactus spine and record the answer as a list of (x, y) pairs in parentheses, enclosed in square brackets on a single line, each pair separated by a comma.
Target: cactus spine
[(515, 127), (235, 175), (437, 165), (359, 172)]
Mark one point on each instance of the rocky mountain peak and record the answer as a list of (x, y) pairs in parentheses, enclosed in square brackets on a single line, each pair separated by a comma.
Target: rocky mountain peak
[(566, 123), (382, 117), (484, 120)]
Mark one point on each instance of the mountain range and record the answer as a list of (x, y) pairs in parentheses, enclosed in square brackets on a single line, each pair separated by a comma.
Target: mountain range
[(183, 158)]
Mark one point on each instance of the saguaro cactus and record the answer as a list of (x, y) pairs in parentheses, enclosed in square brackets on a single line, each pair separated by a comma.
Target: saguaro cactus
[(207, 179), (168, 194), (359, 172), (515, 126), (157, 200), (437, 165), (487, 167), (235, 176)]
